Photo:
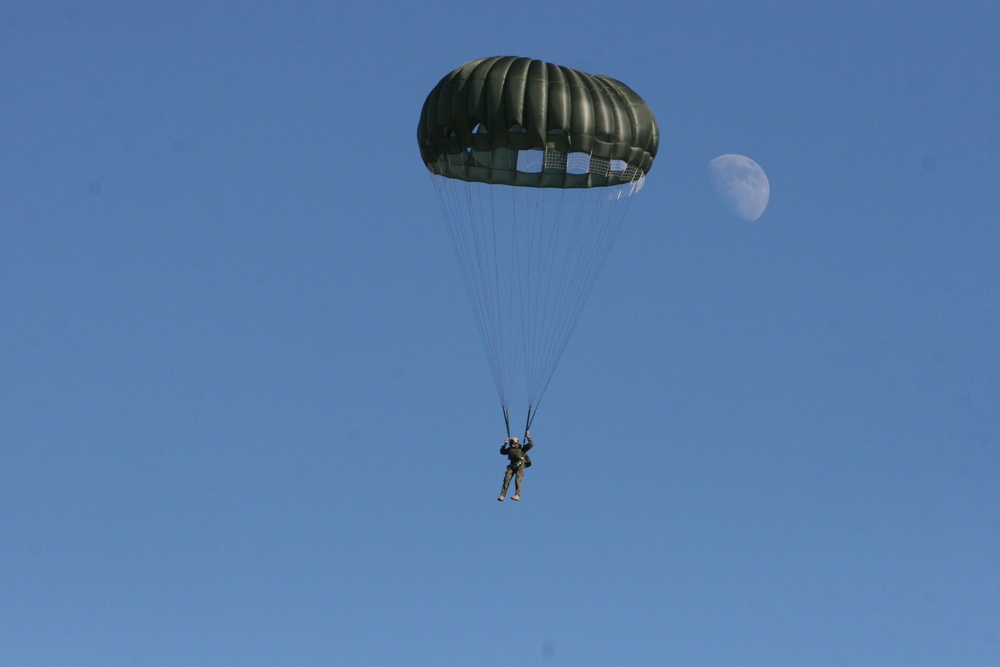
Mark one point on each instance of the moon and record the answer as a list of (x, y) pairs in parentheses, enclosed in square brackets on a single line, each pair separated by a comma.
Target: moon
[(741, 184)]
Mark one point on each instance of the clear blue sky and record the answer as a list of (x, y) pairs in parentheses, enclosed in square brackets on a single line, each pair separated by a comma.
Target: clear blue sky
[(244, 414)]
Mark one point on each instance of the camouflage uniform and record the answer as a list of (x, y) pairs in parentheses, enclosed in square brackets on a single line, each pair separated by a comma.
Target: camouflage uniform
[(517, 454)]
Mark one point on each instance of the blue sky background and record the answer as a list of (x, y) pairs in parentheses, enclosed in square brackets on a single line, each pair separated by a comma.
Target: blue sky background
[(244, 414)]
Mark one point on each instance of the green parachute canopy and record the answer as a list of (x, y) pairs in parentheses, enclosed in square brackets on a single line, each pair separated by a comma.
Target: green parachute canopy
[(517, 121), (534, 166)]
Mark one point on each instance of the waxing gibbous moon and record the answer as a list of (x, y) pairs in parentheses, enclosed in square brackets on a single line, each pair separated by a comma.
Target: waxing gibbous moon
[(741, 184)]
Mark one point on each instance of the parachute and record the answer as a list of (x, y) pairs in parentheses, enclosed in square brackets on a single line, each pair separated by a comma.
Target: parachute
[(534, 165)]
